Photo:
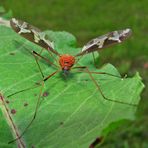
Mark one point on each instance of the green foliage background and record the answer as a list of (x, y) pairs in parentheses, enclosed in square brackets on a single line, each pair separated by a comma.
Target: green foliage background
[(87, 19)]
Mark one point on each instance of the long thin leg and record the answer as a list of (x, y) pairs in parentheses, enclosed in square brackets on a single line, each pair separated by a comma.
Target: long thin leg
[(35, 54), (94, 59), (37, 106), (35, 113), (77, 60), (40, 53), (91, 76), (45, 79), (82, 56), (51, 54), (30, 52), (93, 72), (47, 60), (21, 91), (36, 59)]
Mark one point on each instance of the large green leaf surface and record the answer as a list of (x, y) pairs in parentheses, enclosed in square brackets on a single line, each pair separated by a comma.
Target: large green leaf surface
[(72, 112)]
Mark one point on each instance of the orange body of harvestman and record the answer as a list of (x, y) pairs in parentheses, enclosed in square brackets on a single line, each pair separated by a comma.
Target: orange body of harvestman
[(66, 61)]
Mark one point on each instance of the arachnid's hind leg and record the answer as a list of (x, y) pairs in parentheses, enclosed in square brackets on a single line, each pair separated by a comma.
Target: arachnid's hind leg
[(37, 105), (97, 85)]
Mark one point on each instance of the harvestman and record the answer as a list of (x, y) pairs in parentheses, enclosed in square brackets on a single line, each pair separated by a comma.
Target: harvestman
[(66, 61)]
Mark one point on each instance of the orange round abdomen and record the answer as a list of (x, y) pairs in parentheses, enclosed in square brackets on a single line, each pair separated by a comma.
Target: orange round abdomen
[(66, 61)]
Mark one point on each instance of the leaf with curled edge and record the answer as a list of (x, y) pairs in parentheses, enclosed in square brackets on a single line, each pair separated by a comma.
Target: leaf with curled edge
[(73, 113)]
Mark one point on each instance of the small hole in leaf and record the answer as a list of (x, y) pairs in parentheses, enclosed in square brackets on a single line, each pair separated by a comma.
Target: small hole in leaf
[(35, 94), (61, 123), (37, 83), (7, 102), (45, 94), (13, 111), (25, 104), (12, 53)]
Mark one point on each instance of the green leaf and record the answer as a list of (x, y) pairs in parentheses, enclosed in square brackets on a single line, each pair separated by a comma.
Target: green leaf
[(72, 112)]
